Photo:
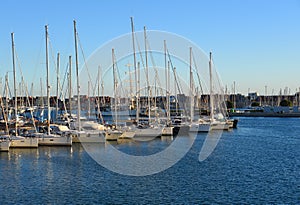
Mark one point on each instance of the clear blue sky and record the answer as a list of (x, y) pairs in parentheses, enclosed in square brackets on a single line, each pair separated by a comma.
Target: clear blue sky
[(255, 42)]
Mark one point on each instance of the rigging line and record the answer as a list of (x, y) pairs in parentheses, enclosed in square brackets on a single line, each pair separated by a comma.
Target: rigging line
[(177, 81), (85, 64), (89, 76), (64, 80), (141, 56), (119, 76), (156, 74), (26, 89), (8, 88), (4, 115), (197, 73), (52, 56), (96, 84), (61, 95), (154, 66), (84, 60), (219, 95), (37, 63)]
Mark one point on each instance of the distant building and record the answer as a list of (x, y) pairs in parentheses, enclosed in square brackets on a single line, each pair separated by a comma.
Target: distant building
[(253, 96)]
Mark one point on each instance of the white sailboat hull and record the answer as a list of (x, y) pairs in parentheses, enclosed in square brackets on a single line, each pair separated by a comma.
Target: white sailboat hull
[(113, 135), (217, 125), (90, 136), (126, 137), (28, 142), (148, 132), (54, 140), (4, 145), (200, 127)]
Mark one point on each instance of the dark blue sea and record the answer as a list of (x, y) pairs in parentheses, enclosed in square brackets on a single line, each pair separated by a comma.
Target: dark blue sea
[(257, 163)]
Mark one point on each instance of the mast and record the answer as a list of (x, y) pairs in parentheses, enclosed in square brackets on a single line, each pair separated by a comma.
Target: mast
[(98, 101), (234, 96), (130, 86), (191, 87), (134, 64), (115, 85), (70, 85), (57, 84), (138, 95), (166, 78), (15, 85), (77, 76), (48, 83), (168, 94), (175, 90), (147, 77), (211, 87)]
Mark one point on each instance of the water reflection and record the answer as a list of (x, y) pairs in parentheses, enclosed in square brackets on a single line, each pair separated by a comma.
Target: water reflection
[(140, 158)]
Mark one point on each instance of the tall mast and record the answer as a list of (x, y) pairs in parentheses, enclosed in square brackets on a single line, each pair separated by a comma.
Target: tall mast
[(175, 90), (166, 73), (147, 77), (15, 85), (138, 95), (211, 87), (191, 87), (98, 101), (70, 85), (48, 83), (168, 94), (77, 76), (57, 84), (134, 65), (130, 86), (115, 85)]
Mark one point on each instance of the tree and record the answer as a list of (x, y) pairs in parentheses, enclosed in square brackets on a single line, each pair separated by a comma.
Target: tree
[(286, 103)]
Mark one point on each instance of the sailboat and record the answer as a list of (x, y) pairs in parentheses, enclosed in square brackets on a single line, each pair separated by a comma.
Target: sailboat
[(16, 140), (49, 138), (116, 131), (149, 130), (217, 121), (199, 125), (88, 131)]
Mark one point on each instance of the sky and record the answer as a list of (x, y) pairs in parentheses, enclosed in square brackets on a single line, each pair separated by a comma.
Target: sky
[(255, 43)]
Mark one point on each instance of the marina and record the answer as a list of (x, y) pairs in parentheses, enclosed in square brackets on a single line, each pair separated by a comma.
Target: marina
[(153, 112), (258, 160)]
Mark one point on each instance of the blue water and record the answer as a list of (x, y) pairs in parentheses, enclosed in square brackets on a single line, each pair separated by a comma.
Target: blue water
[(257, 163)]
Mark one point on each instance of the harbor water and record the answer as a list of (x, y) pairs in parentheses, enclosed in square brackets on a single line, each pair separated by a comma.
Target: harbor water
[(257, 163)]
